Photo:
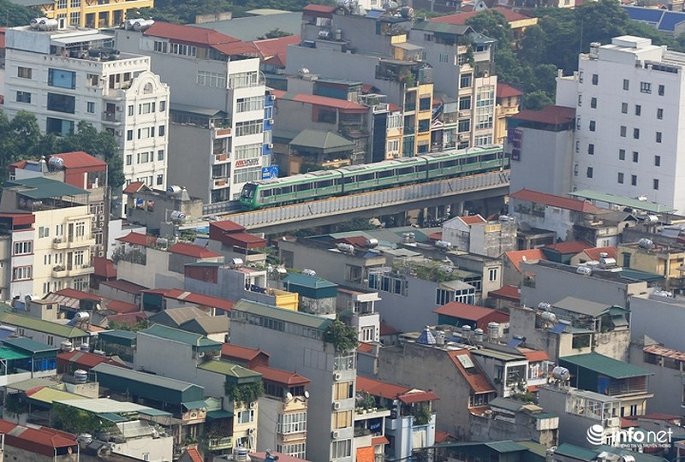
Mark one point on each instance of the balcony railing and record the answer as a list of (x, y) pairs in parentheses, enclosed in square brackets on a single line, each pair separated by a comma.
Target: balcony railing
[(61, 243), (215, 444), (110, 117), (60, 271)]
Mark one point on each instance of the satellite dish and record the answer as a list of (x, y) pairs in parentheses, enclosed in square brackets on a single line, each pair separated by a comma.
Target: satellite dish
[(289, 396), (306, 394)]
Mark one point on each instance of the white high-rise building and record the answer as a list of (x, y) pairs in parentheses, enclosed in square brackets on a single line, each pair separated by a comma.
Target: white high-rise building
[(66, 75), (630, 128), (221, 116)]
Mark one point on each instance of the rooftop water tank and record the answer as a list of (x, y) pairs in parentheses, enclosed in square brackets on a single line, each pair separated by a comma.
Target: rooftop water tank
[(80, 376), (561, 373)]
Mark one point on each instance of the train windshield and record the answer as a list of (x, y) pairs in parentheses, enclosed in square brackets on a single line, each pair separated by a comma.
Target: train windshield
[(248, 191)]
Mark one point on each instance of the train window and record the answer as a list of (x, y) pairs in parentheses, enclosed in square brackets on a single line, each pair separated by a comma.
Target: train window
[(471, 160), (421, 167), (267, 192), (350, 179), (286, 190), (448, 163), (487, 157), (337, 181), (303, 187), (405, 170), (386, 173), (365, 177), (324, 184)]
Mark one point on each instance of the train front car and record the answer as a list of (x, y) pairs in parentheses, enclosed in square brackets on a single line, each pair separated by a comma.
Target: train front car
[(248, 196)]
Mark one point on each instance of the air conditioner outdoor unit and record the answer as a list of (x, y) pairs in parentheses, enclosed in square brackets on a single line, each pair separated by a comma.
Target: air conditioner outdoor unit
[(337, 376), (336, 405), (270, 145), (253, 404), (335, 435), (271, 121)]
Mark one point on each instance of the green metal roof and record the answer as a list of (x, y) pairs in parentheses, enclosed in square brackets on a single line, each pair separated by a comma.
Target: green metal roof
[(506, 446), (119, 337), (182, 336), (637, 275), (194, 405), (154, 412), (536, 448), (624, 201), (230, 370), (304, 280), (319, 139), (605, 365), (26, 344), (9, 354), (294, 317), (44, 188), (143, 379), (219, 414), (116, 418), (576, 452), (47, 327)]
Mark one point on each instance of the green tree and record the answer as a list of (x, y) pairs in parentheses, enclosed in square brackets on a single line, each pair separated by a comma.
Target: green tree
[(536, 100), (275, 33), (12, 14), (343, 337)]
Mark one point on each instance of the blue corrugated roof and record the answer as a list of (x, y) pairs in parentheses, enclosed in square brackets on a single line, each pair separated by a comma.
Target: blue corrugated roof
[(375, 14), (650, 15), (670, 19)]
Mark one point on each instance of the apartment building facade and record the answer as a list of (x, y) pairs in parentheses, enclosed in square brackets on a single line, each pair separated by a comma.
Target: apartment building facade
[(92, 13), (64, 76), (627, 96), (295, 341), (221, 112), (51, 239)]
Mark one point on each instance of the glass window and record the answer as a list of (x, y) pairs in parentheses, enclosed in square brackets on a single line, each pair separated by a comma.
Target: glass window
[(620, 178), (593, 103), (657, 161), (621, 154), (656, 183), (61, 78), (658, 137), (659, 113), (595, 79), (90, 107), (638, 110), (645, 87), (626, 84), (61, 103), (662, 90), (589, 172), (633, 180), (624, 108), (23, 97), (24, 72), (591, 149), (636, 156)]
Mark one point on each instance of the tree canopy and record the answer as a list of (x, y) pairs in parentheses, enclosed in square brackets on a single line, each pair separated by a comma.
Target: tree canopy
[(12, 14), (561, 33), (21, 138), (185, 12)]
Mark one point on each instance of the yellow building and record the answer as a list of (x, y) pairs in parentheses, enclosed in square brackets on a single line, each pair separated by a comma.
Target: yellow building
[(93, 13), (508, 103), (55, 253), (668, 262)]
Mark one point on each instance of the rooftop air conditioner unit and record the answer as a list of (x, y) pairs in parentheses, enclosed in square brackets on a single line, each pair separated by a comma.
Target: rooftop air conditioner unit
[(336, 405)]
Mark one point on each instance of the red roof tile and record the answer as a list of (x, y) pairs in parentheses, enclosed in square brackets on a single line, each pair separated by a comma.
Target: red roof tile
[(129, 319), (459, 19), (387, 329), (41, 440), (238, 49), (20, 164), (121, 307), (200, 299), (661, 350), (104, 268), (472, 219), (227, 225), (232, 351), (507, 292), (134, 187), (549, 115), (189, 34), (124, 286), (594, 253), (134, 238), (378, 388), (76, 159), (555, 201), (518, 256), (246, 240), (476, 379), (311, 8), (442, 437), (569, 247), (325, 101), (466, 311), (534, 355), (192, 250), (436, 236), (86, 359), (507, 91), (275, 51), (2, 37), (194, 454), (365, 347), (77, 294), (377, 440), (417, 396), (281, 376)]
